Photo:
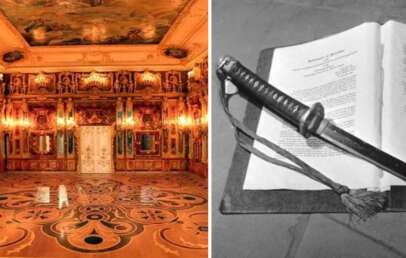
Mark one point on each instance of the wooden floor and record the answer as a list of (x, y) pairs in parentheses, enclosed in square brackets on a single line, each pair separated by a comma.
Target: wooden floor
[(121, 215)]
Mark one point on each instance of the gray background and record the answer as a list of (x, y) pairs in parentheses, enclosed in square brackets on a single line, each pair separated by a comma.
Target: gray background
[(242, 28)]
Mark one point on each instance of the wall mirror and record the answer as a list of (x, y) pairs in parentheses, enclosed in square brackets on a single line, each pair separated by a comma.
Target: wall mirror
[(129, 142), (147, 143), (120, 143), (70, 144), (60, 144)]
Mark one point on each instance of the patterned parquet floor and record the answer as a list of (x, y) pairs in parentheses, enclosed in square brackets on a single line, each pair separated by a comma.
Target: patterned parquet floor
[(144, 214)]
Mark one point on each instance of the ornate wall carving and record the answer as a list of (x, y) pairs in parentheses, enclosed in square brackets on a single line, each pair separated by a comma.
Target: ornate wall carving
[(197, 103), (144, 108), (95, 113), (73, 83)]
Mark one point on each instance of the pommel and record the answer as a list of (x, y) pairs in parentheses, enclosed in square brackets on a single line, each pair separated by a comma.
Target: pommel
[(225, 65), (224, 60)]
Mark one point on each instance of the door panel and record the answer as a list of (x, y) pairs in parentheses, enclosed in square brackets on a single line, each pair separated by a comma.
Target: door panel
[(96, 149)]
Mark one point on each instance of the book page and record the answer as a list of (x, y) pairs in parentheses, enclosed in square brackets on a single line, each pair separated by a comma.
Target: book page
[(343, 73), (394, 96)]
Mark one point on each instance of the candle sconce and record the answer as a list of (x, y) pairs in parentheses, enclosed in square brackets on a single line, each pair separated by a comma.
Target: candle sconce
[(15, 118), (195, 75), (204, 121), (185, 122), (10, 123)]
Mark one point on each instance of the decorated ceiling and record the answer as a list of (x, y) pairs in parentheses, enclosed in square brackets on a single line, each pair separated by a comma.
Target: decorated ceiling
[(87, 22)]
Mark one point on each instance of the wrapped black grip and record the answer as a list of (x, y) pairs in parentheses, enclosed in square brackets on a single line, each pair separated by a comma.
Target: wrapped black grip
[(298, 114)]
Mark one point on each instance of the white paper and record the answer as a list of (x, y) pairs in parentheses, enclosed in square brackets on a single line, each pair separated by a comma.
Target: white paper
[(342, 72), (394, 96)]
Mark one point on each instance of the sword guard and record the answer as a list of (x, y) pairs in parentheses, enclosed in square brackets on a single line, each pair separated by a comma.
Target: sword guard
[(311, 120)]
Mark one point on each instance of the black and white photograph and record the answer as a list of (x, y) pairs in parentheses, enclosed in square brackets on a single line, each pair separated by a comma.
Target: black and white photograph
[(308, 128)]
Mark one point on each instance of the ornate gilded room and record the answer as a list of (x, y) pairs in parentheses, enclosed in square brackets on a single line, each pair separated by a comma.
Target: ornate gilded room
[(104, 128)]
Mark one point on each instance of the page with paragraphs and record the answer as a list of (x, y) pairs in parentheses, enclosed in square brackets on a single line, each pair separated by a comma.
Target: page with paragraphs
[(342, 72), (394, 96)]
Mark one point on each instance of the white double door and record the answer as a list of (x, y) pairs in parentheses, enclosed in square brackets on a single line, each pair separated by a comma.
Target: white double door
[(96, 149)]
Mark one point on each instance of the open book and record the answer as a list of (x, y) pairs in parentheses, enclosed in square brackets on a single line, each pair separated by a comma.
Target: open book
[(359, 76)]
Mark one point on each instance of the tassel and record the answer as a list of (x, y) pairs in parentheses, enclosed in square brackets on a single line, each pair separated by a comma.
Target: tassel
[(363, 203)]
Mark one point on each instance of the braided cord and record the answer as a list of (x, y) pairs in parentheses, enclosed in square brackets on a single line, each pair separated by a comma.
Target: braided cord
[(300, 166)]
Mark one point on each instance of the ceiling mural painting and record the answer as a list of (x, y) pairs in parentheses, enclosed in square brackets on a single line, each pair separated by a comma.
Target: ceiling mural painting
[(86, 22)]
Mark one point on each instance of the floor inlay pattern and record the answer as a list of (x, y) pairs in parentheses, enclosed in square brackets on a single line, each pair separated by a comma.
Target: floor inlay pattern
[(138, 215)]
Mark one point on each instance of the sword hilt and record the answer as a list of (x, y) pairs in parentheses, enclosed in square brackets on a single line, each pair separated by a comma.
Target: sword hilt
[(306, 119)]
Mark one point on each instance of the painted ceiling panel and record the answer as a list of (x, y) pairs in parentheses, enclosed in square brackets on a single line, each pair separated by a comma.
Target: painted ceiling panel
[(85, 22)]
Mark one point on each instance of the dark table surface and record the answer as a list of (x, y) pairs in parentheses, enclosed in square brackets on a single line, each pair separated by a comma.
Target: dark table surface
[(242, 28)]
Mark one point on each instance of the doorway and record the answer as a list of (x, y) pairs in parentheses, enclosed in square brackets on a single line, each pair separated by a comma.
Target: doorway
[(96, 149)]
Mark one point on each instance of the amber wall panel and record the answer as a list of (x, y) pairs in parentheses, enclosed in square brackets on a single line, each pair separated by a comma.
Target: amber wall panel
[(151, 101)]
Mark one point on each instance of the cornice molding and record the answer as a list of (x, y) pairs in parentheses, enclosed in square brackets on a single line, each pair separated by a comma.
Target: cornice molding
[(189, 31)]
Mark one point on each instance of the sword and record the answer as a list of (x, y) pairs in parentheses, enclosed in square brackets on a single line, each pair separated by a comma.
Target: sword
[(309, 121)]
